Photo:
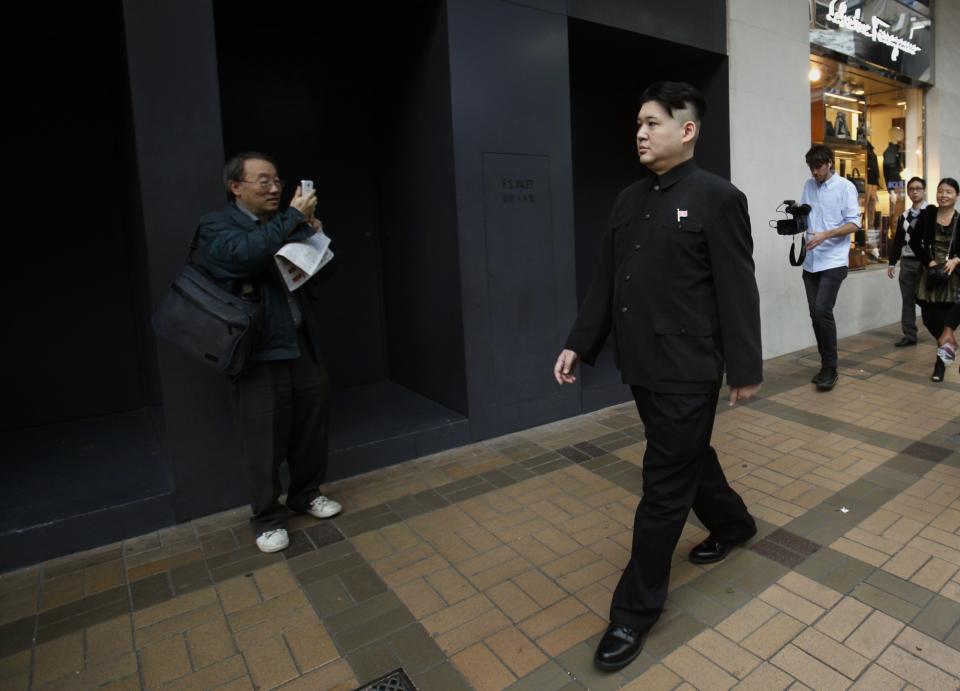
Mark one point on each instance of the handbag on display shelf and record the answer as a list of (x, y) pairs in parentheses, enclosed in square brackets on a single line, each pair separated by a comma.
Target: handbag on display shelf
[(858, 181), (841, 126)]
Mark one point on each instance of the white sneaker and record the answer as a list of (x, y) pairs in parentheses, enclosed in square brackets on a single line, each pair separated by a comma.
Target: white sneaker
[(273, 540), (321, 507)]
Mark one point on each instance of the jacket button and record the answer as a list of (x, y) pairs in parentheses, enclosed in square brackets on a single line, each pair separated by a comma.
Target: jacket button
[(636, 247), (623, 309), (627, 277), (683, 330), (646, 216), (656, 188)]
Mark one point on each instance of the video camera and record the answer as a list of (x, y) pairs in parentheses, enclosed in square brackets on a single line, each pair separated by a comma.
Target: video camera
[(795, 224)]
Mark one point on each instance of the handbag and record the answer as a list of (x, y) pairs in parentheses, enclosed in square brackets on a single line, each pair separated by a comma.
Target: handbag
[(207, 321), (858, 181), (937, 276)]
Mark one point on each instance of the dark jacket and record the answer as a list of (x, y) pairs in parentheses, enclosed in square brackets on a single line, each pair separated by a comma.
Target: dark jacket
[(900, 237), (676, 285), (925, 235), (237, 250)]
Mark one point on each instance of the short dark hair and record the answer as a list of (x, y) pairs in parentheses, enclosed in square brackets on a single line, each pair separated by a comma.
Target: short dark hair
[(676, 96), (233, 169), (950, 181), (923, 183), (818, 155)]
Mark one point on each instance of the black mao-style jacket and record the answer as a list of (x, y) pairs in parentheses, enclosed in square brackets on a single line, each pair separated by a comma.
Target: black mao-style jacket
[(676, 286)]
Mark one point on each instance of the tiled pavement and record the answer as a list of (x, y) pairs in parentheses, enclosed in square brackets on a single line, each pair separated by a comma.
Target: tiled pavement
[(491, 566)]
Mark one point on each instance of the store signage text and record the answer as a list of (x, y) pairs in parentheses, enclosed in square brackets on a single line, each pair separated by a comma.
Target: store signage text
[(875, 30)]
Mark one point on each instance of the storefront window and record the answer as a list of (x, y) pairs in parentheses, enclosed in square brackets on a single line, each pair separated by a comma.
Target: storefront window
[(875, 127)]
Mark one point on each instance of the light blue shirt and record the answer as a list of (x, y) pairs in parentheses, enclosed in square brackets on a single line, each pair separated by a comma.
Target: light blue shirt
[(832, 204)]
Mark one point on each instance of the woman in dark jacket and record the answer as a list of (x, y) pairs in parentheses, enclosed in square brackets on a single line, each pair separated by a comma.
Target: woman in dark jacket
[(935, 244)]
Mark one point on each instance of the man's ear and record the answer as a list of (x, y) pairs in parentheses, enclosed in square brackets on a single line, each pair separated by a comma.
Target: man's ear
[(235, 188), (689, 131)]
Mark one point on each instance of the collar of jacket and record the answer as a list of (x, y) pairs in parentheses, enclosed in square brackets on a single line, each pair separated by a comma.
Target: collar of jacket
[(677, 173)]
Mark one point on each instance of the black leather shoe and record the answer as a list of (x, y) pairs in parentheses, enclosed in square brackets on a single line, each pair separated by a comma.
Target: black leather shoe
[(903, 342), (713, 550), (619, 647), (824, 371)]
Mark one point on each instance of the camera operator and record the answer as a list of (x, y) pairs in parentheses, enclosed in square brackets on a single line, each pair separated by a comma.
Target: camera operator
[(834, 213)]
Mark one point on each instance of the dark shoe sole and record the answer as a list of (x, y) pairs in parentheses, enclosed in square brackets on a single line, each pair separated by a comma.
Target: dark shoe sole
[(827, 385), (904, 345), (611, 667)]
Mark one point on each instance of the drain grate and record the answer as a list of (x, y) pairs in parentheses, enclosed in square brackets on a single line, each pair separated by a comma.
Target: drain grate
[(397, 680)]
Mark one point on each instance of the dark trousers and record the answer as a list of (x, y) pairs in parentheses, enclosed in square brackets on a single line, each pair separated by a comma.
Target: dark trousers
[(680, 471), (282, 415), (910, 269), (935, 316), (822, 288)]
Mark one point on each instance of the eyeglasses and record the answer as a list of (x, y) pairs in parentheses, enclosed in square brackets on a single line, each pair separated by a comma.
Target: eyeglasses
[(265, 183)]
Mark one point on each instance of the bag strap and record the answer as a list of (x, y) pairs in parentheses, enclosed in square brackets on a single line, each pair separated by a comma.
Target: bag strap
[(246, 287)]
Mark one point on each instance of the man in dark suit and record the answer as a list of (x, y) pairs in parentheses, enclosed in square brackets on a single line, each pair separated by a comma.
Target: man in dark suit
[(282, 395), (676, 285)]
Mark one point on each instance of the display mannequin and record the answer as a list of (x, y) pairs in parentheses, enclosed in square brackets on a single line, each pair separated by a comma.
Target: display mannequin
[(873, 183)]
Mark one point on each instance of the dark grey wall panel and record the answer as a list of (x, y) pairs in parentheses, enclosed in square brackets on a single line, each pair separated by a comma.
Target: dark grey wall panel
[(72, 346), (421, 261), (510, 94), (176, 111), (695, 23)]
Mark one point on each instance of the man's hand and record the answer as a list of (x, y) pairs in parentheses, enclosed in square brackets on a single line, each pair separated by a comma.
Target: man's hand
[(316, 224), (566, 363), (952, 264), (742, 393), (305, 205), (890, 271), (817, 238)]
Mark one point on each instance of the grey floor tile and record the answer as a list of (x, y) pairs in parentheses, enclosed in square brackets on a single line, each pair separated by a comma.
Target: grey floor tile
[(17, 635), (328, 596), (905, 590), (190, 577), (257, 561), (372, 661), (835, 570), (443, 677), (324, 533), (693, 602), (62, 627), (379, 627), (547, 677), (365, 520), (362, 583), (665, 637), (885, 602), (321, 555), (363, 612), (333, 567), (578, 661), (151, 591), (415, 648), (938, 618)]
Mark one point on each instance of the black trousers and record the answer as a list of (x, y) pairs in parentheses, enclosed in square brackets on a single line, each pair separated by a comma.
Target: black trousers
[(282, 415), (935, 316), (822, 288), (910, 269), (680, 471)]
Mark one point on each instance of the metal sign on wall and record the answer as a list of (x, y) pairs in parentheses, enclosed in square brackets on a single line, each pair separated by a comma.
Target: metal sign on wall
[(896, 35)]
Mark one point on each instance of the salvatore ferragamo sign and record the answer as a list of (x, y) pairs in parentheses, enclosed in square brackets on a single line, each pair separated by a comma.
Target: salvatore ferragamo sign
[(875, 30)]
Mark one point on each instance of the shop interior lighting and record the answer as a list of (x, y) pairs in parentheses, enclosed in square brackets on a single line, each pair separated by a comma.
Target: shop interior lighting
[(849, 110), (815, 74), (842, 97), (902, 103), (848, 153)]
